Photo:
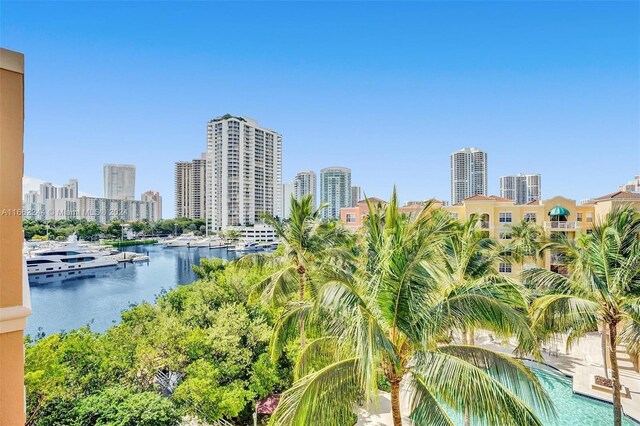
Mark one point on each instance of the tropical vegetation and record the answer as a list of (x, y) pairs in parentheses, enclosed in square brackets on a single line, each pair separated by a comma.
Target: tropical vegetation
[(600, 287), (91, 231), (392, 320), (332, 319), (200, 350)]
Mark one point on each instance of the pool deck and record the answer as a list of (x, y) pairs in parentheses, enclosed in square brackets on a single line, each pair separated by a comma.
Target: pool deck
[(581, 362)]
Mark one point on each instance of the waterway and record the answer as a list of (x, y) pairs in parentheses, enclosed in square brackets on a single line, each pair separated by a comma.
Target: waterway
[(99, 298)]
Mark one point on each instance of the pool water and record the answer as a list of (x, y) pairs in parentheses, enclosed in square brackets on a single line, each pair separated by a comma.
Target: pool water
[(572, 409)]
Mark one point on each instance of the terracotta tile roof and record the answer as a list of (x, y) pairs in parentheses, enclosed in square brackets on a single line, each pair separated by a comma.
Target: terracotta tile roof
[(479, 197), (620, 195), (533, 203), (373, 200)]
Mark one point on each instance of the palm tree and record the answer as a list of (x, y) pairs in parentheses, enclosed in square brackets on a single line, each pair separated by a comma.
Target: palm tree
[(470, 262), (525, 241), (601, 286), (308, 244), (392, 318)]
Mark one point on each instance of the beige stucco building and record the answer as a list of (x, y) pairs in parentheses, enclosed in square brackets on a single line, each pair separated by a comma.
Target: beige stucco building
[(15, 305), (557, 215)]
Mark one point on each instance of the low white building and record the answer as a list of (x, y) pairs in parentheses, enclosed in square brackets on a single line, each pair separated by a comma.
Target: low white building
[(258, 232)]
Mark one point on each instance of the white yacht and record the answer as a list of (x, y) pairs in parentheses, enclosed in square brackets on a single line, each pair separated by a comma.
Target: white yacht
[(246, 246), (190, 240), (68, 258), (184, 240)]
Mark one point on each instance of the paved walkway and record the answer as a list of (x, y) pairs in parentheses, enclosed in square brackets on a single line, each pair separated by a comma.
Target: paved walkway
[(581, 362)]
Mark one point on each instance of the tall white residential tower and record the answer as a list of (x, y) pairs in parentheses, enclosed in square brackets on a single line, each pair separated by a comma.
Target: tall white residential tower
[(521, 188), (335, 190), (155, 199), (468, 174), (244, 172), (119, 181), (305, 183)]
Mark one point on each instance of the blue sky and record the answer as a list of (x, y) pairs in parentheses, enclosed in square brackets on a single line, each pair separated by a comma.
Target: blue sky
[(387, 89)]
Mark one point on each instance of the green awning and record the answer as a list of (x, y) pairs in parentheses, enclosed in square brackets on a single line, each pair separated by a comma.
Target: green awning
[(558, 211)]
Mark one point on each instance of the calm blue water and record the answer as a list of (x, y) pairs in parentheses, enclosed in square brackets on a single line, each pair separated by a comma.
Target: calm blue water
[(574, 409), (99, 298)]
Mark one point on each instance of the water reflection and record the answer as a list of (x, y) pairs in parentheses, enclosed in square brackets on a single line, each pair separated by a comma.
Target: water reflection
[(62, 277), (98, 296)]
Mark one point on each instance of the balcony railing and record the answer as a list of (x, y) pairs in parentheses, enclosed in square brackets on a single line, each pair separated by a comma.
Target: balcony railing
[(562, 225)]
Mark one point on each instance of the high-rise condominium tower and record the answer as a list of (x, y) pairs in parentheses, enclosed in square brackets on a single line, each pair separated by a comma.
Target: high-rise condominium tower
[(356, 195), (47, 192), (190, 188), (521, 188), (69, 190), (244, 172), (287, 194), (335, 190), (119, 181), (468, 174), (305, 183), (156, 200)]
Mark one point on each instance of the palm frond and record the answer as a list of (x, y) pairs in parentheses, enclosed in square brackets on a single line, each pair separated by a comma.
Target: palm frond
[(318, 353), (277, 288), (425, 407), (288, 325), (562, 313), (460, 384), (326, 397), (508, 371)]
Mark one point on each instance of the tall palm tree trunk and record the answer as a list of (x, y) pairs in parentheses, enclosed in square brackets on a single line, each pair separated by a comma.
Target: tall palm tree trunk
[(395, 400), (468, 338), (615, 373), (603, 343), (301, 285)]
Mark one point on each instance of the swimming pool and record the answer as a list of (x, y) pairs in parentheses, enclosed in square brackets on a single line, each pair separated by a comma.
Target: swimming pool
[(572, 409)]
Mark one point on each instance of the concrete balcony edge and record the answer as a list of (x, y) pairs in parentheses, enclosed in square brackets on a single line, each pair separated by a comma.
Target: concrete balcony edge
[(14, 318)]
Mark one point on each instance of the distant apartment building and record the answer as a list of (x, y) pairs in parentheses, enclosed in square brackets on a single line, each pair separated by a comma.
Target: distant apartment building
[(335, 191), (101, 210), (555, 216), (354, 217), (34, 203), (632, 185), (69, 190), (48, 191), (356, 195), (287, 195), (31, 197), (155, 198), (190, 188), (244, 172), (468, 174), (305, 183), (521, 188), (119, 181)]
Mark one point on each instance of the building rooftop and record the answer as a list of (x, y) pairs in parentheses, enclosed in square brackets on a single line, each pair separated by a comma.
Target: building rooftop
[(619, 195), (479, 197), (373, 200)]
